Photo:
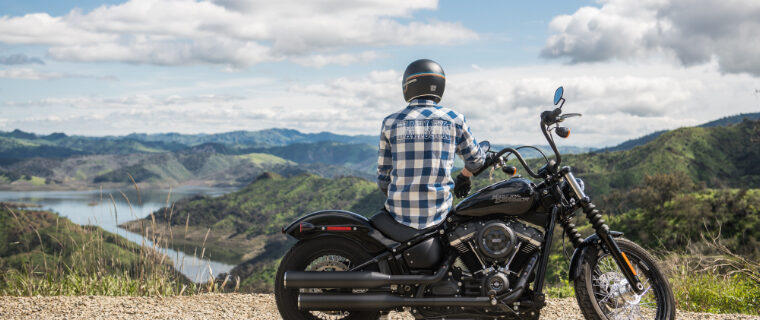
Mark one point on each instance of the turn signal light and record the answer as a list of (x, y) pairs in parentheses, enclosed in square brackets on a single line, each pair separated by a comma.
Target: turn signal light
[(510, 170), (563, 132)]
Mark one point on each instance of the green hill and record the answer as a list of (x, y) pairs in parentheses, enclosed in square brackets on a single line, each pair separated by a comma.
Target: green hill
[(732, 213), (725, 121), (199, 165), (43, 253), (18, 145), (716, 156), (359, 157)]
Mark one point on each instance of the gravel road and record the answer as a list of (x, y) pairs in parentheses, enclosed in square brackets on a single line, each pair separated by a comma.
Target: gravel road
[(214, 306)]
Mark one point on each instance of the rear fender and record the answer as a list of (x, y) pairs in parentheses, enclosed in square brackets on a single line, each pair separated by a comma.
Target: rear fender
[(580, 253), (336, 223)]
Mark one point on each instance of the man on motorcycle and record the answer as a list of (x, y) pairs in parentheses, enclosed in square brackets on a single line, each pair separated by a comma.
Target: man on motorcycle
[(417, 147)]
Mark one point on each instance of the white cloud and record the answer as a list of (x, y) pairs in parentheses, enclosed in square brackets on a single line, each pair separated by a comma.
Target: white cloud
[(234, 33), (29, 74), (33, 74), (344, 59), (618, 101), (692, 32)]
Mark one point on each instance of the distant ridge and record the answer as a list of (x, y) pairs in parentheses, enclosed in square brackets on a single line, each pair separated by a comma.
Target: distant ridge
[(725, 121), (18, 145), (267, 137)]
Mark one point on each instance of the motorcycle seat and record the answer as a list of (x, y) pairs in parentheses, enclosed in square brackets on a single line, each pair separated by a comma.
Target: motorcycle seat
[(387, 225)]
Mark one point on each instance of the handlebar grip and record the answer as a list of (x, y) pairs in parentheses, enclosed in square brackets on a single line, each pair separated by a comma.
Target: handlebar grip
[(549, 117), (486, 165)]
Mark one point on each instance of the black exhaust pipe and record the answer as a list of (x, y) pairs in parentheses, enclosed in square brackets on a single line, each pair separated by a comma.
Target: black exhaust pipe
[(357, 279), (522, 282), (328, 302)]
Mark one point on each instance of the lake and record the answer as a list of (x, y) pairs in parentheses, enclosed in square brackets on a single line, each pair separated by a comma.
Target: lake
[(95, 207)]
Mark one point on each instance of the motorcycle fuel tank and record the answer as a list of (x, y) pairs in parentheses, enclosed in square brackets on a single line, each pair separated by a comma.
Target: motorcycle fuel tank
[(511, 197)]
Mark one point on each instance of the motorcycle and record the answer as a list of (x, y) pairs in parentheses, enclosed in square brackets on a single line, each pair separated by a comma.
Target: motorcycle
[(487, 260)]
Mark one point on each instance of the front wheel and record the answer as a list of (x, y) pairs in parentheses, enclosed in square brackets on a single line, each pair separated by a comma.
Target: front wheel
[(321, 254), (603, 292)]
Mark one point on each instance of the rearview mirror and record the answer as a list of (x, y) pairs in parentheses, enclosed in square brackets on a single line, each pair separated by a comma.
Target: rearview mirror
[(485, 146), (558, 95)]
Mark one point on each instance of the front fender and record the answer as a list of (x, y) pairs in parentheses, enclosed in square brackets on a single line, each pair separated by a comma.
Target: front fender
[(580, 253), (349, 225)]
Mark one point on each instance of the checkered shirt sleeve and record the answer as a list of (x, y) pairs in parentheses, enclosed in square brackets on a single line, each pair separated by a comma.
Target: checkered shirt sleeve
[(468, 149), (415, 158), (384, 161)]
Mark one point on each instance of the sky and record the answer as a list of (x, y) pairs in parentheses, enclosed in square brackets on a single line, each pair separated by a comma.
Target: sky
[(630, 67)]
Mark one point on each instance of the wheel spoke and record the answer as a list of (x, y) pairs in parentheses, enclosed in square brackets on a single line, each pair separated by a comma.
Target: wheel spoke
[(615, 296)]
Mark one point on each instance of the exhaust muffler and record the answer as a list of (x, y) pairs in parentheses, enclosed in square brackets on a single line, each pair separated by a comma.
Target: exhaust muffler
[(357, 279), (328, 302)]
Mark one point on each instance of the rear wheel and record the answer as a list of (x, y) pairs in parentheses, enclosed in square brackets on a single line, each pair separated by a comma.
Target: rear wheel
[(604, 293), (327, 254)]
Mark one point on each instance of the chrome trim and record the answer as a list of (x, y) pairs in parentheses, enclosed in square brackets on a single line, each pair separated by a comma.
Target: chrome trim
[(285, 280), (574, 185), (528, 239), (462, 238)]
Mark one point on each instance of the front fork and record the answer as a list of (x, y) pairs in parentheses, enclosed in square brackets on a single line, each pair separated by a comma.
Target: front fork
[(603, 231)]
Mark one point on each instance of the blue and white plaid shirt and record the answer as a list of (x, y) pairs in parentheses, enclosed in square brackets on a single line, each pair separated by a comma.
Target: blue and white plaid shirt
[(415, 158)]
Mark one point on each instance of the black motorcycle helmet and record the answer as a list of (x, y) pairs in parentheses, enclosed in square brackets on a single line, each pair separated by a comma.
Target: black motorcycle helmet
[(423, 78)]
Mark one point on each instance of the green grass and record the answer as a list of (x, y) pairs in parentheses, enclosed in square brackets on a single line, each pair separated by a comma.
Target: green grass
[(18, 283), (563, 289), (716, 293)]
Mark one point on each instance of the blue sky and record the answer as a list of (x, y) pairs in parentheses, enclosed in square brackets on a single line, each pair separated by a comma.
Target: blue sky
[(632, 67)]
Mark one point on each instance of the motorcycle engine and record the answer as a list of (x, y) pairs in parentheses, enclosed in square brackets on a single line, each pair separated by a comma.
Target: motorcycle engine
[(483, 244)]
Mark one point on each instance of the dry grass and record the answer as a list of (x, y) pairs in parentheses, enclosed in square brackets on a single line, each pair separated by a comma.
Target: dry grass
[(86, 260), (712, 278)]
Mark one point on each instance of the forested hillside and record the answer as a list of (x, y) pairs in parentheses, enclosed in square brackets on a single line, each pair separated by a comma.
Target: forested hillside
[(725, 121), (724, 156)]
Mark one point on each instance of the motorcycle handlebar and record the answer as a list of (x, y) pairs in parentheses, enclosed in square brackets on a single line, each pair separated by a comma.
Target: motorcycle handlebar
[(550, 117), (547, 118), (519, 158)]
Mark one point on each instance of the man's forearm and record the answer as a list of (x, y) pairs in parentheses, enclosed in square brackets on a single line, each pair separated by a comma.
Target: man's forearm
[(466, 172)]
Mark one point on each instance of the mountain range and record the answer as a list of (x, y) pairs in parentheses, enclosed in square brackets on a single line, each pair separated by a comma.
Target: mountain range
[(58, 161), (629, 144)]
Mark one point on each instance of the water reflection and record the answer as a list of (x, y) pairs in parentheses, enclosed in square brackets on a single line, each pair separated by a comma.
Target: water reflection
[(108, 208)]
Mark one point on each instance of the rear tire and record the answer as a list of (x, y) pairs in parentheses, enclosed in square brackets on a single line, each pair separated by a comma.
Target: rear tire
[(320, 254), (603, 293)]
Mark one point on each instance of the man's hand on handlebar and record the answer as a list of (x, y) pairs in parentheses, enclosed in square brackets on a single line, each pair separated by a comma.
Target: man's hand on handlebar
[(462, 184)]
